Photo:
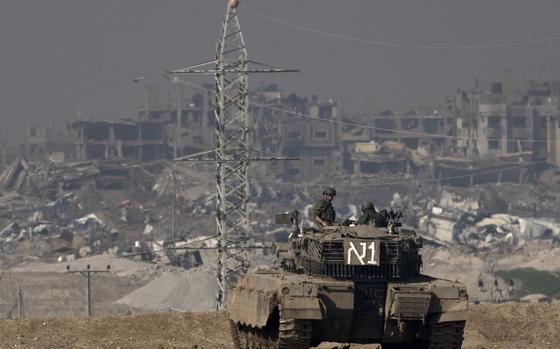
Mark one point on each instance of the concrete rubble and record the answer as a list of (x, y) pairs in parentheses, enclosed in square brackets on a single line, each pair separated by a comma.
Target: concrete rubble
[(50, 211), (465, 222)]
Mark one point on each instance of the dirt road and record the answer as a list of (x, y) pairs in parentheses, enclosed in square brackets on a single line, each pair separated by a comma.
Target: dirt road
[(508, 326)]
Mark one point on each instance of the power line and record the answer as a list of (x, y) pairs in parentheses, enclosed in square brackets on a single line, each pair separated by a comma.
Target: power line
[(71, 93), (432, 180), (400, 45), (474, 174)]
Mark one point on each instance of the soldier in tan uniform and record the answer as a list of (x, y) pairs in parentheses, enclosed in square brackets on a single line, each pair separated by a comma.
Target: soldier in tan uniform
[(323, 211)]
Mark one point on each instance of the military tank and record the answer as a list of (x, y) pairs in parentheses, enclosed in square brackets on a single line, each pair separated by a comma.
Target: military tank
[(348, 284)]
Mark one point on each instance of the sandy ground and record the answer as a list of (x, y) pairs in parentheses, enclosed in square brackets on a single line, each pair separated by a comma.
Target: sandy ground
[(506, 326), (513, 326), (150, 331)]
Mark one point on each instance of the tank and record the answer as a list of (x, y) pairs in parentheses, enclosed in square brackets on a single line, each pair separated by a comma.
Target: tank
[(348, 284)]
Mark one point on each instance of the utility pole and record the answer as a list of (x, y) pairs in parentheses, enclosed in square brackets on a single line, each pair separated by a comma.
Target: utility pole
[(4, 157), (231, 69), (20, 303), (174, 204), (87, 274), (179, 123), (4, 163)]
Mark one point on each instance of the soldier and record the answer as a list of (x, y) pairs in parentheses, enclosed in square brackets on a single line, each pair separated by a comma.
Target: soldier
[(323, 211), (371, 216), (368, 210)]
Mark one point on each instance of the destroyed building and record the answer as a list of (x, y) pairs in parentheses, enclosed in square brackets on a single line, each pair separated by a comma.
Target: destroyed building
[(426, 126), (492, 121), (501, 135), (298, 128), (141, 140), (486, 134), (396, 142), (278, 130), (189, 122), (45, 143)]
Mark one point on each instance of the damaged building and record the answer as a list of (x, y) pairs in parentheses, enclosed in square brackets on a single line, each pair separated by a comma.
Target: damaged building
[(485, 134), (141, 140), (493, 122), (314, 139), (502, 135), (396, 142), (189, 122), (47, 143)]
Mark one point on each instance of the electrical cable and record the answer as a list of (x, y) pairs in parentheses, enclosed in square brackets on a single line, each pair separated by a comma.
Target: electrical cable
[(431, 180), (400, 45), (69, 93)]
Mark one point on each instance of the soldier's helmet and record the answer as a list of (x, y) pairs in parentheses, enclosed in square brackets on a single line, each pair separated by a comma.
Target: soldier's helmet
[(367, 205), (329, 191)]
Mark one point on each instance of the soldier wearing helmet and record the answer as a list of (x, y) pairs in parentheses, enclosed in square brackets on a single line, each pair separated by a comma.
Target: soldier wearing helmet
[(371, 216), (323, 211)]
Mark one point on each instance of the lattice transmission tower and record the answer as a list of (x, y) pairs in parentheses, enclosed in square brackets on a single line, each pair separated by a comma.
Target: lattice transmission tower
[(231, 70)]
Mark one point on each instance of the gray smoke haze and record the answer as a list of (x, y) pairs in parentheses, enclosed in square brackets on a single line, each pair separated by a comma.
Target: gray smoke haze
[(58, 55)]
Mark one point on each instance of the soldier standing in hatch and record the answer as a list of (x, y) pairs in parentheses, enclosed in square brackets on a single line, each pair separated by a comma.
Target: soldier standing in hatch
[(323, 211), (368, 211), (371, 216)]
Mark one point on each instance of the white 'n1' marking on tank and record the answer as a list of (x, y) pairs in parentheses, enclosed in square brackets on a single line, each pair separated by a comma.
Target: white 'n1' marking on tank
[(361, 257)]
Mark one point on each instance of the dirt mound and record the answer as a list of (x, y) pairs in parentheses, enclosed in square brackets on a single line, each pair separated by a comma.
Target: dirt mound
[(192, 291), (506, 326)]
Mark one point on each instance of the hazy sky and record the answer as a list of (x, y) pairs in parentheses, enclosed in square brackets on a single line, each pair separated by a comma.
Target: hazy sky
[(57, 55)]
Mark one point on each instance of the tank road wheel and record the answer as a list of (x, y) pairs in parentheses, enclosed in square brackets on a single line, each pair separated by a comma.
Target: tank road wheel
[(247, 337), (447, 335), (294, 334), (288, 334)]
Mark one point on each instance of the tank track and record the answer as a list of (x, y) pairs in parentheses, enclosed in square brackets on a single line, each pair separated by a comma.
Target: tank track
[(447, 335), (291, 334), (235, 334), (294, 334)]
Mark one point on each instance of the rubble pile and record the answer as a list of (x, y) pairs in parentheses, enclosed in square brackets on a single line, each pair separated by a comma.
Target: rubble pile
[(14, 176), (194, 189), (78, 238), (475, 222), (53, 211), (85, 208)]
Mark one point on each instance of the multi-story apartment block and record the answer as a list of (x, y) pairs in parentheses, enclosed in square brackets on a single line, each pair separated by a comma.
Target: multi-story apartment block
[(296, 127), (491, 122)]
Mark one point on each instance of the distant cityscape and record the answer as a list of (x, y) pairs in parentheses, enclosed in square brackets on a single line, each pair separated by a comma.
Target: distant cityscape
[(490, 133)]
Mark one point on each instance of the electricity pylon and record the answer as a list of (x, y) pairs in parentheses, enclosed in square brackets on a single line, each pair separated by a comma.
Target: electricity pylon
[(231, 70)]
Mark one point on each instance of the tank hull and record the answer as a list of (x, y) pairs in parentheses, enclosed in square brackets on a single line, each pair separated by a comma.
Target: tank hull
[(348, 311)]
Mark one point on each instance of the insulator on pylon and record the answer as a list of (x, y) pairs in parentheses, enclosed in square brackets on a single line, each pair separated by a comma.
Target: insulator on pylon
[(233, 3)]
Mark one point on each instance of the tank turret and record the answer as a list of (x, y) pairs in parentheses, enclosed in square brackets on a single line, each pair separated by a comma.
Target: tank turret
[(361, 252)]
